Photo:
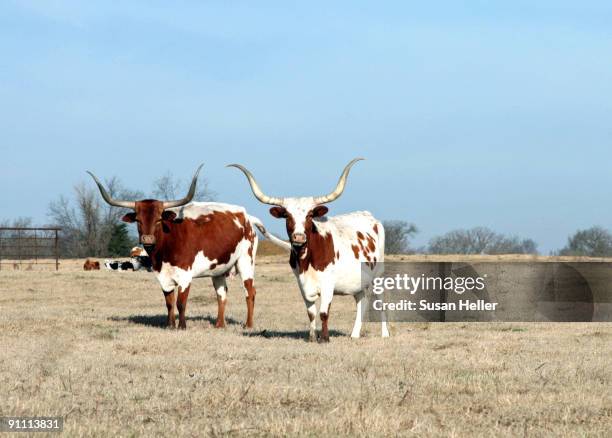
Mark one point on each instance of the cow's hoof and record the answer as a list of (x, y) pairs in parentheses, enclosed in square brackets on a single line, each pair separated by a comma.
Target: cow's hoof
[(324, 340), (170, 327), (220, 325), (182, 327), (312, 337)]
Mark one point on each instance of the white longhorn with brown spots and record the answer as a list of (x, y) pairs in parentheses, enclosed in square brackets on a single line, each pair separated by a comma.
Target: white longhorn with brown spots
[(327, 252)]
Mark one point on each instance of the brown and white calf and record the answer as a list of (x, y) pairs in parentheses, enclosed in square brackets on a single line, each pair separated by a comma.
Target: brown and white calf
[(327, 252), (185, 240)]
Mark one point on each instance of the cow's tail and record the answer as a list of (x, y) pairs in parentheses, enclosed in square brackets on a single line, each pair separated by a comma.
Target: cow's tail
[(275, 240), (381, 240)]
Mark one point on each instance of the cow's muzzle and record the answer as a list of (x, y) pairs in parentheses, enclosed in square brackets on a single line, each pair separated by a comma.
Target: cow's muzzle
[(148, 241), (298, 239)]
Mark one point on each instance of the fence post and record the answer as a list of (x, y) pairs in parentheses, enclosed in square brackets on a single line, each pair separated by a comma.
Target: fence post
[(19, 238), (35, 249), (56, 251)]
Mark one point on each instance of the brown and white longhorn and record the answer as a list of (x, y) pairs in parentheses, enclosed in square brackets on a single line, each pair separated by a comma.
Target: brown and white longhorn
[(327, 253), (187, 239)]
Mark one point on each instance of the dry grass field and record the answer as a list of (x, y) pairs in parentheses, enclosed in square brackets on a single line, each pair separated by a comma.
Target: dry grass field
[(89, 346)]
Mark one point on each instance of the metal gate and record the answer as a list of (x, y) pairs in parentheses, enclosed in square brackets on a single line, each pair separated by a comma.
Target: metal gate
[(27, 247)]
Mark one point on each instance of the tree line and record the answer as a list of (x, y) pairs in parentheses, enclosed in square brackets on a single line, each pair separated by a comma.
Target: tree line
[(592, 242), (92, 228)]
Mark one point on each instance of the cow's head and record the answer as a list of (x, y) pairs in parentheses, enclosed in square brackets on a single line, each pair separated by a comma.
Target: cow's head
[(150, 215), (299, 213)]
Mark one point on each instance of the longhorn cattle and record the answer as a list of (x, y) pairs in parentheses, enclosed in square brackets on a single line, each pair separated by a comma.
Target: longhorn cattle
[(327, 253), (187, 239)]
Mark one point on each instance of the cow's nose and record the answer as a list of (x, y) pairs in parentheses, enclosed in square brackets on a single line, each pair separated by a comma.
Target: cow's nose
[(147, 239), (298, 238)]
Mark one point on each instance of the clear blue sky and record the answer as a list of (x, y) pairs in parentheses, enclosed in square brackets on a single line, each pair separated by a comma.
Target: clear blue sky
[(487, 113)]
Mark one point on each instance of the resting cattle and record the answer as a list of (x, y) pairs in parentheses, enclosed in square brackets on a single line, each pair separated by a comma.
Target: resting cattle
[(139, 260), (91, 265), (326, 253), (138, 252), (133, 264), (200, 239)]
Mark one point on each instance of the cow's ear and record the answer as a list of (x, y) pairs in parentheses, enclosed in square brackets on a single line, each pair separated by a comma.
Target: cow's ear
[(129, 218), (278, 212), (168, 215), (319, 210)]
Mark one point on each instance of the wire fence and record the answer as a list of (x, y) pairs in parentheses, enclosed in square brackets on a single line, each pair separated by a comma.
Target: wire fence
[(29, 247)]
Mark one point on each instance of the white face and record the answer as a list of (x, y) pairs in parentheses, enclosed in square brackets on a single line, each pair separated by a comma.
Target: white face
[(299, 208), (298, 214)]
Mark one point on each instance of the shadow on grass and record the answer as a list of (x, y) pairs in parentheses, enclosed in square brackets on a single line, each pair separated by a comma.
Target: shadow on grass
[(159, 321), (289, 334)]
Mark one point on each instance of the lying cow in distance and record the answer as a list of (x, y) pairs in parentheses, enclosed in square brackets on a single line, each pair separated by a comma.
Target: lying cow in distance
[(138, 252), (327, 253), (187, 239), (91, 265), (139, 260), (134, 264)]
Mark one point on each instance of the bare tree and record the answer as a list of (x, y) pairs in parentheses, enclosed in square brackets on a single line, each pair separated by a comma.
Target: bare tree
[(512, 245), (397, 235), (80, 224), (594, 242), (480, 240), (170, 187), (14, 238), (87, 227), (20, 222)]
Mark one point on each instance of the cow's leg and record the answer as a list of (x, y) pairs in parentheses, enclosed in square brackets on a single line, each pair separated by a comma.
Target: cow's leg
[(221, 288), (356, 333), (250, 299), (246, 269), (385, 329), (181, 304), (170, 296), (327, 294), (324, 327), (383, 318), (311, 309)]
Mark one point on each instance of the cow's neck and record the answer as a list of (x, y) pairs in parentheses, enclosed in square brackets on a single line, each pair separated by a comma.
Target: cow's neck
[(158, 252), (299, 256), (318, 252)]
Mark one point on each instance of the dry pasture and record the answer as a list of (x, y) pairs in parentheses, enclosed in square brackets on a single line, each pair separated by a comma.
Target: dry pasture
[(90, 346)]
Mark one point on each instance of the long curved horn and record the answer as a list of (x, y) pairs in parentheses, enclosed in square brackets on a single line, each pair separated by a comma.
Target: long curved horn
[(259, 194), (190, 194), (339, 187), (108, 199)]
